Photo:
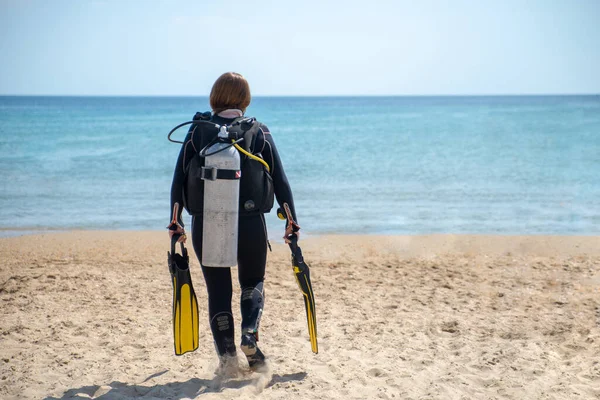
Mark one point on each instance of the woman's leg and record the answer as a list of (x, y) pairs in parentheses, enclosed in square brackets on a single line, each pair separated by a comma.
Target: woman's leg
[(252, 259), (219, 288)]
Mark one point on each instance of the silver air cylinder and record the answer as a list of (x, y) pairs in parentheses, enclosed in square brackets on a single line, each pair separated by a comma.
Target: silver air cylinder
[(221, 204)]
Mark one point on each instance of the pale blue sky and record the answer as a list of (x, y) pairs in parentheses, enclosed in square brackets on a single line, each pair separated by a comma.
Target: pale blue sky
[(377, 47)]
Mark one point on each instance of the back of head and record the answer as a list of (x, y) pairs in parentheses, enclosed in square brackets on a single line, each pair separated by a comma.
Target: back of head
[(231, 90)]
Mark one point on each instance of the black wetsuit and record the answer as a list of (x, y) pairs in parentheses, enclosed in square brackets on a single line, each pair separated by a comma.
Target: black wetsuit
[(252, 248)]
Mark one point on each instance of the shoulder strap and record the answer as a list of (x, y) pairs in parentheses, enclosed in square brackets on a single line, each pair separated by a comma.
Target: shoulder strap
[(251, 137), (249, 131)]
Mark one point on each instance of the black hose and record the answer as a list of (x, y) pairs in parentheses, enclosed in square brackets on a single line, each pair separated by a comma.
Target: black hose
[(202, 153), (184, 124)]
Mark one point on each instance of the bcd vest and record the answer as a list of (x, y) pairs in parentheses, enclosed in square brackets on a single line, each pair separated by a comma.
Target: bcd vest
[(256, 183)]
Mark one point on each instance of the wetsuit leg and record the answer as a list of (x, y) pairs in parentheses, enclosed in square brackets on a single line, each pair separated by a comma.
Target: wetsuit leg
[(252, 259), (219, 288)]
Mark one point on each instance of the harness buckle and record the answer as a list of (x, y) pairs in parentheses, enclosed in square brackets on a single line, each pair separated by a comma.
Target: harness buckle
[(209, 174)]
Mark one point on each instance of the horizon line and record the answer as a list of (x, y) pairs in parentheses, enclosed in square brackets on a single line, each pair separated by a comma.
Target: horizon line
[(311, 95)]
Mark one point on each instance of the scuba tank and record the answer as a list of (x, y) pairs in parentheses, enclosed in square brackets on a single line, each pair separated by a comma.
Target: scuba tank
[(221, 174)]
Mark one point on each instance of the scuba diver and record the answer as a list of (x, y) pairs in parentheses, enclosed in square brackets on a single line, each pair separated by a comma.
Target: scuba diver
[(254, 173)]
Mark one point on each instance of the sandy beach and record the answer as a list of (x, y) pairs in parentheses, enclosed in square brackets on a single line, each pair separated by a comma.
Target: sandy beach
[(88, 315)]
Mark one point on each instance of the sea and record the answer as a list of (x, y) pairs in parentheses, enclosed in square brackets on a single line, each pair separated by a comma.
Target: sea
[(510, 165)]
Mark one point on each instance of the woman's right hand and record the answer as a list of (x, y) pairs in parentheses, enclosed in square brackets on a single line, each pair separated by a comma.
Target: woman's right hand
[(176, 229)]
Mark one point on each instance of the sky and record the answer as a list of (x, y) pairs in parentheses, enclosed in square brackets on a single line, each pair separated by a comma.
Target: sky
[(300, 48)]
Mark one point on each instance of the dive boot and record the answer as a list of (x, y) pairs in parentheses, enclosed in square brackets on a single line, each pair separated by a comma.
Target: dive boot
[(256, 358)]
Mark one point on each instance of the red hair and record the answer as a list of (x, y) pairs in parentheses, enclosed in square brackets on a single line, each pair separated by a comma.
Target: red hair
[(231, 90)]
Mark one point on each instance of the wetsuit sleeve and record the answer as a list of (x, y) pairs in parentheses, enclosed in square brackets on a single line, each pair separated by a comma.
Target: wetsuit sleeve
[(185, 155), (283, 192)]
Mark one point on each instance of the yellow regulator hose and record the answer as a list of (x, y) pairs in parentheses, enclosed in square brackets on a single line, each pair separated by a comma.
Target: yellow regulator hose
[(252, 156)]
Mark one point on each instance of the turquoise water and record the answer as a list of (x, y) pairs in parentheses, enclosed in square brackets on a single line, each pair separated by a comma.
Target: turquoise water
[(393, 165)]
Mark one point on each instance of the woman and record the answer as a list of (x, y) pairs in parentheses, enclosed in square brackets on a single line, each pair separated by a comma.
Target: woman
[(229, 98)]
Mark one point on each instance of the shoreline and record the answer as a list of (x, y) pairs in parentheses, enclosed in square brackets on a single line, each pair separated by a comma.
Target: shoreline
[(8, 232), (417, 245)]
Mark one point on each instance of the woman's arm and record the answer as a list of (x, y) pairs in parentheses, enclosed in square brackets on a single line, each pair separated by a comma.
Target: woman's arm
[(283, 192), (185, 155)]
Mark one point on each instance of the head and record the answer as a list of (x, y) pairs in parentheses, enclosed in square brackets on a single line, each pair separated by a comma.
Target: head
[(231, 90)]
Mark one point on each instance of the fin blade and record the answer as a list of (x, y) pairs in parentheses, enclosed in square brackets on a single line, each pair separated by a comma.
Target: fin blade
[(187, 322), (303, 281), (185, 313)]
